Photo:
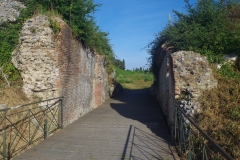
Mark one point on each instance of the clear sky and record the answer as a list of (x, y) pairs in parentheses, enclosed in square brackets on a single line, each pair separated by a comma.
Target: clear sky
[(133, 24)]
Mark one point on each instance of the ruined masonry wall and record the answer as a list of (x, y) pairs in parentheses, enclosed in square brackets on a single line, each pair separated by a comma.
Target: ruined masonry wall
[(36, 59), (58, 65), (183, 77)]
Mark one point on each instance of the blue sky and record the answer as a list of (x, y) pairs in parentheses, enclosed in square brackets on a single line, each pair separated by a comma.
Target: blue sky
[(133, 24)]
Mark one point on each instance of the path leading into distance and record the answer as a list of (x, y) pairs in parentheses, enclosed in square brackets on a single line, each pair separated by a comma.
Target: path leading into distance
[(131, 126)]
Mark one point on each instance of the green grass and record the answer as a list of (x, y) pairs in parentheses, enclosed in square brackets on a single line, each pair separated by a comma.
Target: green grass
[(230, 71), (134, 79)]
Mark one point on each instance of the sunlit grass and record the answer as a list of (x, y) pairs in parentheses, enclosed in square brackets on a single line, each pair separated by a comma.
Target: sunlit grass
[(134, 79)]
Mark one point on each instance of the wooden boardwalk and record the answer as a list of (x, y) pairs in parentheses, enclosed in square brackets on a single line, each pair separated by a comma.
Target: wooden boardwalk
[(129, 127)]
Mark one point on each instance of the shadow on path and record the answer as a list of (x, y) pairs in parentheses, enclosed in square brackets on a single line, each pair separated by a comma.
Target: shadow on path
[(148, 136), (129, 127)]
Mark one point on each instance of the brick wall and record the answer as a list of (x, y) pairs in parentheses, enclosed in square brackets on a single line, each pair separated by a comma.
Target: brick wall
[(58, 65), (82, 76)]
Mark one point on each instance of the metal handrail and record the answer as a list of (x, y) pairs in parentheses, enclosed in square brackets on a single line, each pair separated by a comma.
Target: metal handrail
[(14, 107), (216, 147), (20, 127)]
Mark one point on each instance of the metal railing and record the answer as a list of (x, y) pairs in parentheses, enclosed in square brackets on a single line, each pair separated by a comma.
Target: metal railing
[(25, 125), (193, 143)]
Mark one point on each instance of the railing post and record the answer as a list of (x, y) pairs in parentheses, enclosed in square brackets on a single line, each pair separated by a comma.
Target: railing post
[(181, 139), (61, 113), (5, 136), (181, 134), (204, 151), (45, 129), (29, 128), (175, 125), (45, 122)]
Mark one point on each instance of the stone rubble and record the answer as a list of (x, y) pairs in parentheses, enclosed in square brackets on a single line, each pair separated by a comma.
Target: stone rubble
[(10, 10), (190, 107)]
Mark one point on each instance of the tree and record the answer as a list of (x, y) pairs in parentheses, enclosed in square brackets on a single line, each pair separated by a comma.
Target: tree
[(118, 63), (123, 63)]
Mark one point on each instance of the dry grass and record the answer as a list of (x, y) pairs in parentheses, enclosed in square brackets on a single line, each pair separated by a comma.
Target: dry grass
[(24, 125), (221, 114), (12, 95)]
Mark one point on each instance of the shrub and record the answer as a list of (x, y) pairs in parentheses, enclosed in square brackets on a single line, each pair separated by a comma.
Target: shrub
[(210, 28), (78, 14), (55, 26)]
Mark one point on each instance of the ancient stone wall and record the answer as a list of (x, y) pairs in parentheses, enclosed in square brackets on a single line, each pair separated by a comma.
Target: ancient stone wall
[(192, 74), (166, 85), (54, 65), (183, 76), (9, 10), (36, 59)]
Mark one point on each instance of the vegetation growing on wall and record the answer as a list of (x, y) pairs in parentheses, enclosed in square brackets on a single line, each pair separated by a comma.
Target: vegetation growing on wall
[(210, 27), (77, 13), (9, 35)]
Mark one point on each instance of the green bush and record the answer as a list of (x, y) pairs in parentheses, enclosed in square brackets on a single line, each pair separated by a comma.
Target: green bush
[(9, 35), (229, 71), (78, 14), (210, 28)]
